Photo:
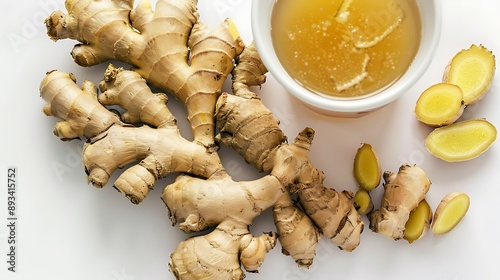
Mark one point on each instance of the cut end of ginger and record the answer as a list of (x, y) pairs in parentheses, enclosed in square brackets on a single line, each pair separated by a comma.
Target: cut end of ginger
[(233, 29), (461, 141), (419, 222), (367, 171), (450, 212), (363, 202), (440, 104), (472, 70)]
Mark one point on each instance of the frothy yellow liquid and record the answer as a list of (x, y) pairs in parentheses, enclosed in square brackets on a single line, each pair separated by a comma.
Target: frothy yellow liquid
[(346, 48)]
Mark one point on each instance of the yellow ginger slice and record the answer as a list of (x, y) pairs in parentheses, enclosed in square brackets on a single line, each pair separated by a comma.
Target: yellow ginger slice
[(461, 141), (440, 104), (419, 222), (367, 171), (472, 70), (363, 202), (450, 212)]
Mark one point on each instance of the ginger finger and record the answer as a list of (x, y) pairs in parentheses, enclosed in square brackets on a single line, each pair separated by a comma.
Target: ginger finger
[(297, 234), (79, 109)]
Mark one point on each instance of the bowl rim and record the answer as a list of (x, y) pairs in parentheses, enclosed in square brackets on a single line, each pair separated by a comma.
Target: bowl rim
[(261, 30)]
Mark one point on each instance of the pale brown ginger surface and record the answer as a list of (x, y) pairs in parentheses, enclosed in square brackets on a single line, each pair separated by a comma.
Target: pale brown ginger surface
[(171, 49)]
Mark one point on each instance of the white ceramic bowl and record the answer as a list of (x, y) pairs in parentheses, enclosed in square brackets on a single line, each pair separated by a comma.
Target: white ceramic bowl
[(430, 11)]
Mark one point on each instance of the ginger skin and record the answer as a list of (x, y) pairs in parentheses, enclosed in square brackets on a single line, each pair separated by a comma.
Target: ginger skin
[(402, 193), (332, 212), (191, 261), (108, 149), (109, 146), (172, 50), (91, 120), (296, 231)]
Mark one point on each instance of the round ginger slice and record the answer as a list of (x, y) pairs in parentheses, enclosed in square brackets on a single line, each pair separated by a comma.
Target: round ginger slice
[(450, 212), (472, 70), (440, 104), (461, 141), (367, 171)]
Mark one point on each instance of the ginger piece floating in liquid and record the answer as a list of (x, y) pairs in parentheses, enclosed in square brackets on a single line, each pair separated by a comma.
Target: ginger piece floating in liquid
[(376, 21)]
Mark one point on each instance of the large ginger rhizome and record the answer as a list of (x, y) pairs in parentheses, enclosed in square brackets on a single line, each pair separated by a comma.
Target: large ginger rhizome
[(172, 50)]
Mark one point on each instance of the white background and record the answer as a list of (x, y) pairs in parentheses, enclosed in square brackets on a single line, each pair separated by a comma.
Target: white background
[(70, 230)]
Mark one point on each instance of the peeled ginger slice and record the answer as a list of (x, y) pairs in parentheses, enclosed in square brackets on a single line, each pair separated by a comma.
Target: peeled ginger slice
[(363, 202), (419, 222), (439, 105), (472, 70), (450, 212), (461, 141), (366, 170)]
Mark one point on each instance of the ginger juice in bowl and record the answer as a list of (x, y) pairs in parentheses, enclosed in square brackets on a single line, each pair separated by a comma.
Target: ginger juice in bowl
[(346, 49)]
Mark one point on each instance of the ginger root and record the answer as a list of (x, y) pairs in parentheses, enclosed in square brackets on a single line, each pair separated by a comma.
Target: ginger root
[(191, 261), (402, 194), (296, 231), (472, 70), (89, 121), (440, 104), (169, 48), (450, 212), (461, 141)]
